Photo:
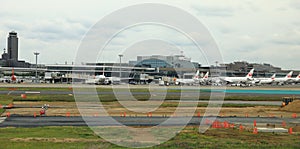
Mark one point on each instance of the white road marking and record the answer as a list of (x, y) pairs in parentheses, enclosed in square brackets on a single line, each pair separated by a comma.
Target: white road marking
[(2, 119), (9, 92), (28, 92)]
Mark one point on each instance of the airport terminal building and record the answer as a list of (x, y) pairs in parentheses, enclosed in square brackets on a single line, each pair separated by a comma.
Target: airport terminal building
[(154, 66)]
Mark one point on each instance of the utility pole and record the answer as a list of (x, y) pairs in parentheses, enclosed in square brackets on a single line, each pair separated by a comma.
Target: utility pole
[(120, 55), (36, 65)]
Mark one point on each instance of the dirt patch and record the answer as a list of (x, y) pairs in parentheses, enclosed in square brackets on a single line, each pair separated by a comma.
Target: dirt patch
[(293, 106), (115, 109), (296, 129)]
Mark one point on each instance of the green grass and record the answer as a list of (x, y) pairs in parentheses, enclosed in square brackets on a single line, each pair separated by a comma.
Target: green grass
[(204, 95), (5, 100), (51, 137), (83, 137)]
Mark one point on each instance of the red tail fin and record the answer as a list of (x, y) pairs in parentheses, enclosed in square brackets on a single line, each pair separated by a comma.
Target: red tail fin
[(13, 77)]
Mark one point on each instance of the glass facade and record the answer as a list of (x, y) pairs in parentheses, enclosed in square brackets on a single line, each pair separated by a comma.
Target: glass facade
[(154, 63)]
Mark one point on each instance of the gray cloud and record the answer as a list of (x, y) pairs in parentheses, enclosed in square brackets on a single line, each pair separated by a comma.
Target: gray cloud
[(245, 30)]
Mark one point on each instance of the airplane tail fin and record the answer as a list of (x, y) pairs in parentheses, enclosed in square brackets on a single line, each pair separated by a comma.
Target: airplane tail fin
[(206, 75), (289, 75), (250, 74), (13, 77), (196, 76), (273, 76), (298, 76)]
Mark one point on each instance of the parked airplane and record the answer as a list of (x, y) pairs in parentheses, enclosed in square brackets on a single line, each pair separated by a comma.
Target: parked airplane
[(194, 80), (281, 81), (98, 79), (205, 79), (266, 80), (103, 80), (237, 80), (295, 80), (12, 79)]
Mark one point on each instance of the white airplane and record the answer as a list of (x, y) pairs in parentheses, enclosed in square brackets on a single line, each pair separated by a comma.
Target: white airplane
[(231, 80), (266, 80), (95, 80), (205, 79), (103, 80), (99, 79), (194, 80), (295, 80), (12, 79), (287, 78)]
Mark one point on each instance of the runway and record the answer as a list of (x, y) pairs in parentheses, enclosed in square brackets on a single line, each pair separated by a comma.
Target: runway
[(30, 121)]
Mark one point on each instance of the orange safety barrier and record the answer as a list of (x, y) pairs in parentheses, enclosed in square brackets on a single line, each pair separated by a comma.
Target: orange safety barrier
[(225, 124), (216, 124), (7, 114), (255, 131), (290, 130), (68, 114), (23, 96), (241, 128), (9, 106)]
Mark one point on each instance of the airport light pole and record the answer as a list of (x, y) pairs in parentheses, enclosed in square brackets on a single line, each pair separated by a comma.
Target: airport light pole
[(120, 55), (36, 59)]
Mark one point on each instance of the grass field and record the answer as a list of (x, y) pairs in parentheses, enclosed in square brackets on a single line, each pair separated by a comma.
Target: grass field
[(83, 137), (205, 93), (5, 100)]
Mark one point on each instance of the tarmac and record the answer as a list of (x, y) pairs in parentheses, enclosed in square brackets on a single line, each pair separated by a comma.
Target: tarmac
[(30, 121)]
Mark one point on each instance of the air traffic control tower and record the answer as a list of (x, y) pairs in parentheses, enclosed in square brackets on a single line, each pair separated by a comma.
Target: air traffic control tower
[(12, 46), (11, 59)]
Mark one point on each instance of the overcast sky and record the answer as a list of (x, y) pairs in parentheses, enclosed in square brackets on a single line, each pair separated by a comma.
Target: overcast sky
[(262, 31)]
